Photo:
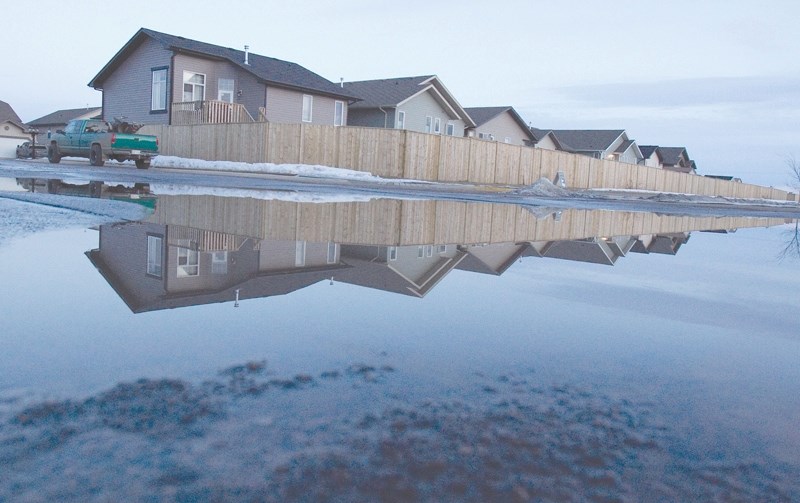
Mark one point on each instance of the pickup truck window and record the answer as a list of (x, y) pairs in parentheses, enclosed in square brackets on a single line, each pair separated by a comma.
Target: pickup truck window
[(73, 127)]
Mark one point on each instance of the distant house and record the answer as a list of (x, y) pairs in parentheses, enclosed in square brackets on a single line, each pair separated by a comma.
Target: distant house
[(677, 159), (501, 124), (605, 251), (414, 103), (157, 78), (601, 144), (58, 119), (651, 156), (546, 139), (12, 131)]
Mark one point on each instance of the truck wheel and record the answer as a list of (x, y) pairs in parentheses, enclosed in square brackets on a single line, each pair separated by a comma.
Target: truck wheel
[(142, 163), (96, 156), (52, 154)]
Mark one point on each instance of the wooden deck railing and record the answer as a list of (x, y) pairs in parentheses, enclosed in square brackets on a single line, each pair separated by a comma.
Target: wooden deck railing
[(189, 113)]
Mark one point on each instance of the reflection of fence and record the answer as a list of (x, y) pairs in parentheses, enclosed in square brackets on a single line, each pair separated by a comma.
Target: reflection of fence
[(396, 153), (209, 112)]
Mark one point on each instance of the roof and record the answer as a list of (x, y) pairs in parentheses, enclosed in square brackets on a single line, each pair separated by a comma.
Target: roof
[(647, 150), (672, 155), (269, 70), (593, 140), (396, 91), (64, 116), (8, 114), (482, 115)]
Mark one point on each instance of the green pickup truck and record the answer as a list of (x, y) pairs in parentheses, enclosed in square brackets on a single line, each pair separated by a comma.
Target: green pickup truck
[(99, 140)]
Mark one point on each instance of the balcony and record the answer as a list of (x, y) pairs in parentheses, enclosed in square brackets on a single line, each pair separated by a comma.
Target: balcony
[(210, 112)]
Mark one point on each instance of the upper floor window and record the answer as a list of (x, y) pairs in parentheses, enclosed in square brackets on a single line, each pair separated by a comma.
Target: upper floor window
[(401, 120), (308, 103), (450, 129), (428, 124), (437, 126), (158, 91), (194, 86), (338, 113), (188, 259), (225, 90)]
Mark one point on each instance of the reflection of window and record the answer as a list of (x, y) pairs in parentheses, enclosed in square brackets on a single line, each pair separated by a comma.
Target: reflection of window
[(194, 86), (188, 259), (450, 130), (225, 91), (331, 252), (428, 250), (401, 120), (391, 253), (158, 91), (338, 113), (308, 103), (154, 258), (219, 262), (441, 249)]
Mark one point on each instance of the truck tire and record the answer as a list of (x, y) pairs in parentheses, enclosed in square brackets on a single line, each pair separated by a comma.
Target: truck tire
[(142, 163), (52, 153), (96, 155)]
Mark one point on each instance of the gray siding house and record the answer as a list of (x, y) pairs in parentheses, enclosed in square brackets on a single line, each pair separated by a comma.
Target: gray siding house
[(612, 144), (501, 124), (158, 78), (414, 103)]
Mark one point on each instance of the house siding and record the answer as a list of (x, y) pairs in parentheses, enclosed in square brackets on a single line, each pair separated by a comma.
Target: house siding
[(503, 126), (370, 117), (546, 143), (286, 106), (127, 91), (425, 105)]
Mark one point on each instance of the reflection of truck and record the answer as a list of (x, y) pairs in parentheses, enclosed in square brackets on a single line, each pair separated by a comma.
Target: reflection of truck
[(98, 140), (27, 150)]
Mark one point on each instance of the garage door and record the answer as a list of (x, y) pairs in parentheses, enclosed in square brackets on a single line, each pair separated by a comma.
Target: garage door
[(8, 147)]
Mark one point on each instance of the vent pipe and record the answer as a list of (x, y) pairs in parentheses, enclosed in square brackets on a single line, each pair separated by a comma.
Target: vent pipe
[(341, 81), (247, 55)]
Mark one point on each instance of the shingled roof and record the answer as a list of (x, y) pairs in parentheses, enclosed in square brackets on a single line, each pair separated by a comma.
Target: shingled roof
[(269, 70), (482, 115), (672, 155), (8, 114), (63, 116), (587, 140)]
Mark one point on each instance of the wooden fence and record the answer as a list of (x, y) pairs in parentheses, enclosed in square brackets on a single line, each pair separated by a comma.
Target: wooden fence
[(393, 153)]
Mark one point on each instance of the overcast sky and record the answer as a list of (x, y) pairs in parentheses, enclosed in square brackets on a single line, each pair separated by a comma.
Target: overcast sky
[(718, 77)]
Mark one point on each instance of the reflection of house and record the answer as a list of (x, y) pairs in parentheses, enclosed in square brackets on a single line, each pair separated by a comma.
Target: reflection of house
[(58, 119), (12, 132), (501, 124), (163, 79), (667, 244), (594, 250), (408, 270), (154, 266), (493, 258), (601, 144), (415, 103)]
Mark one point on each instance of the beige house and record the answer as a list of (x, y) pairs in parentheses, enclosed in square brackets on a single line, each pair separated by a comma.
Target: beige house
[(12, 132), (546, 139), (501, 124)]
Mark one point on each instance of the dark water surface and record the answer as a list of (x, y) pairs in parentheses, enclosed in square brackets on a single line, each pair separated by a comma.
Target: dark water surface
[(409, 368)]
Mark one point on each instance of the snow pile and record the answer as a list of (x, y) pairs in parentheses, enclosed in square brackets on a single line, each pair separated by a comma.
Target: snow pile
[(543, 188), (308, 170)]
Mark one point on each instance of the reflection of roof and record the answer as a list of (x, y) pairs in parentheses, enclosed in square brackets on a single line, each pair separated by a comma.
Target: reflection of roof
[(8, 114), (64, 116), (271, 70), (587, 139)]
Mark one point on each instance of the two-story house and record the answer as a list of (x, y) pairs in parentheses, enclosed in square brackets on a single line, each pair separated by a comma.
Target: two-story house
[(158, 78), (501, 124)]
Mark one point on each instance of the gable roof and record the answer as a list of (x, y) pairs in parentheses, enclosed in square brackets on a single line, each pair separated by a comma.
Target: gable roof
[(587, 140), (672, 155), (269, 70), (647, 150), (8, 114), (64, 116), (482, 115), (396, 91)]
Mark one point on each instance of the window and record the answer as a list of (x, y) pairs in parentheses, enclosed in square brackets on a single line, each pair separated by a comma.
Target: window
[(506, 140), (308, 103), (391, 253), (437, 126), (450, 130), (338, 113), (219, 262), (441, 249), (428, 124), (483, 136), (225, 91), (154, 256), (401, 120), (188, 259), (194, 86), (158, 92), (300, 254)]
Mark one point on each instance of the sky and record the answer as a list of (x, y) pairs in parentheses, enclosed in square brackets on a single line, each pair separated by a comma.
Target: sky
[(717, 77)]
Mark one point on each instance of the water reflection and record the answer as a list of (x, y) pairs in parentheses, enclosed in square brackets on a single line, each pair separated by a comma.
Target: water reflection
[(204, 249)]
